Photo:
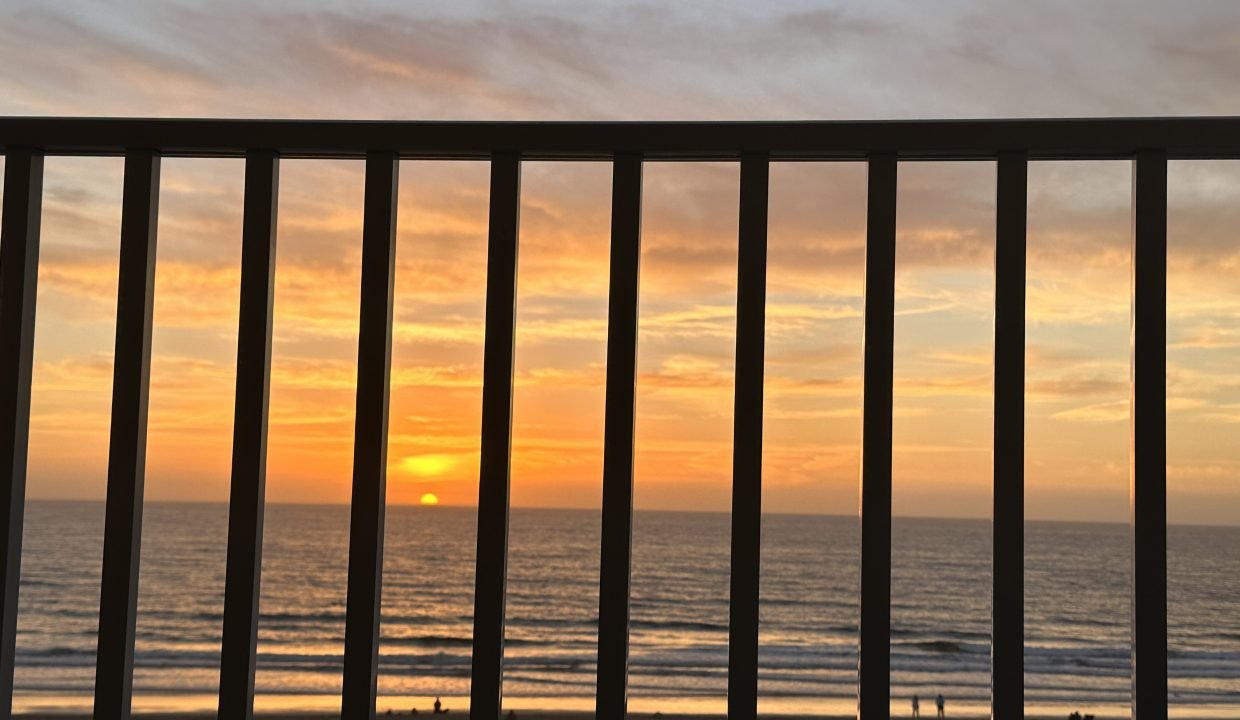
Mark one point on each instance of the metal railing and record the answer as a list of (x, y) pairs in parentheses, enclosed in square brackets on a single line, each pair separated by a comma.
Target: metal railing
[(883, 145)]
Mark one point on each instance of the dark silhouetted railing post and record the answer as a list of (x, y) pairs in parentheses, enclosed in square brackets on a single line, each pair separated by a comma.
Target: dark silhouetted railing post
[(747, 441), (1149, 436), (249, 453), (374, 361), (611, 699), (1007, 646), (19, 275), (122, 536), (486, 684), (874, 657)]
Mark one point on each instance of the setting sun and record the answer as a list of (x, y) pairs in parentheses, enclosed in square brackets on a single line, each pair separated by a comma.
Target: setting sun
[(430, 499)]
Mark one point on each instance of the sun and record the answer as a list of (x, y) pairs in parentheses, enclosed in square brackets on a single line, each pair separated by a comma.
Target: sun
[(429, 499)]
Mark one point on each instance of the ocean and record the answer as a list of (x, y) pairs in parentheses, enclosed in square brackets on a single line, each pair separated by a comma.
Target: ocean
[(1077, 607)]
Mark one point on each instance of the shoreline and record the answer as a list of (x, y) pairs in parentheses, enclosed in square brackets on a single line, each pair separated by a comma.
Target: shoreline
[(269, 707), (275, 706), (525, 715), (1213, 713)]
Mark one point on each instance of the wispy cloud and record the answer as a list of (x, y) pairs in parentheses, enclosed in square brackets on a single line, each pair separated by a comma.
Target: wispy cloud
[(626, 60)]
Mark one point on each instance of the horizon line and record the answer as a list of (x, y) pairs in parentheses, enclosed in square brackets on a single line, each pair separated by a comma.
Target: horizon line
[(640, 509)]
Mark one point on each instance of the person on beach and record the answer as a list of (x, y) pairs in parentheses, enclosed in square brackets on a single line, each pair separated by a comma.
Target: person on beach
[(439, 708), (916, 707), (940, 703)]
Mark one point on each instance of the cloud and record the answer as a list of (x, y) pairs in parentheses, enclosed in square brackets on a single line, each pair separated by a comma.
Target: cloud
[(476, 59), (625, 60), (1099, 412)]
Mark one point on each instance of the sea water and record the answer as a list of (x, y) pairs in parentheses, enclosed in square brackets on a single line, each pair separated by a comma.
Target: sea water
[(1076, 629)]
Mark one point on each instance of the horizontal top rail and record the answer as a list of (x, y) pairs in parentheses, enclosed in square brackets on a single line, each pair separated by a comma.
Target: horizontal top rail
[(1041, 139)]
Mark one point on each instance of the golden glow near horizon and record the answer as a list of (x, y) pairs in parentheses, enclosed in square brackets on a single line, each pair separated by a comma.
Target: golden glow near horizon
[(1077, 336), (428, 466), (429, 499)]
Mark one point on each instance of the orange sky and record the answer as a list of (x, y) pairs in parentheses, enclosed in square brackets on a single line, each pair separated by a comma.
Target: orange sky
[(1077, 294)]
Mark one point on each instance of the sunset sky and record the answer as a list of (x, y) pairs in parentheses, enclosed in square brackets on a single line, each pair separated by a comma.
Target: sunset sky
[(626, 60)]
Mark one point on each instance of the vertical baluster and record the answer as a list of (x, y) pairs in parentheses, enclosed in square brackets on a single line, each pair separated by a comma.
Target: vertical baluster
[(747, 441), (617, 532), (122, 536), (1007, 674), (874, 672), (374, 360), (1149, 436), (19, 275), (249, 456), (494, 473)]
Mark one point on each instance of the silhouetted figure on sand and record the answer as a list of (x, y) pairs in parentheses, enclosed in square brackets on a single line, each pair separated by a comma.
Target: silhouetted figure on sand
[(916, 706), (439, 708), (940, 703)]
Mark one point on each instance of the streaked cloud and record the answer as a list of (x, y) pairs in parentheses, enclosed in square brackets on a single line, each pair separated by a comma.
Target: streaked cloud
[(626, 60)]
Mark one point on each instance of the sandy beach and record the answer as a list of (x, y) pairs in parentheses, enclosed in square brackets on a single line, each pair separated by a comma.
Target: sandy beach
[(547, 715), (282, 707), (528, 715)]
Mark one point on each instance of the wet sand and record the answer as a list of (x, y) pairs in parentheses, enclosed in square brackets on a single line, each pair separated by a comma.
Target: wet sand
[(526, 715)]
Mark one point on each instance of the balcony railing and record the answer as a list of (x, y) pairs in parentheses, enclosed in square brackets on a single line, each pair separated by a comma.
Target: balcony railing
[(1149, 143)]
